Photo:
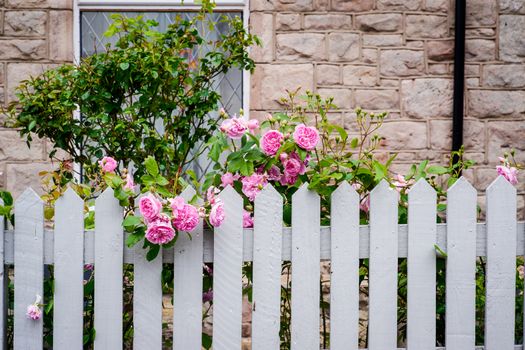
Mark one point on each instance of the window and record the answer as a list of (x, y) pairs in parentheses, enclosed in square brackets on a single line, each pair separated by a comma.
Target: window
[(93, 17)]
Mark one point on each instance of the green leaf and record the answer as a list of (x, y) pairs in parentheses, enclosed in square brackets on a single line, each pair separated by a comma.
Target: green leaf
[(354, 143), (153, 252), (124, 65), (440, 251), (133, 239), (437, 169), (6, 197), (31, 125), (161, 180), (151, 166), (131, 221)]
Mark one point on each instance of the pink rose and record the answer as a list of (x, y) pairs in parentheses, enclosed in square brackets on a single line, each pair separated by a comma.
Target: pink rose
[(253, 124), (306, 137), (293, 167), (365, 204), (252, 185), (234, 127), (160, 231), (217, 214), (130, 185), (271, 142), (185, 216), (33, 311), (509, 173), (247, 220), (283, 156), (207, 296), (150, 207), (228, 179), (211, 194), (108, 164), (274, 174)]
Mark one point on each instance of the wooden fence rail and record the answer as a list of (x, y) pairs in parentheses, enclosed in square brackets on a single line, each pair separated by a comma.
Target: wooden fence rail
[(501, 239)]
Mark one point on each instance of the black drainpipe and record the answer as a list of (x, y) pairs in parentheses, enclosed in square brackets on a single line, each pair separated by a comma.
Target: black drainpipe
[(459, 76)]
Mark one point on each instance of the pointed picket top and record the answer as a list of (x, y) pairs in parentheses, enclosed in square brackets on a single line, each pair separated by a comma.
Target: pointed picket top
[(462, 185), (227, 192), (501, 184), (29, 195), (188, 193), (383, 189), (70, 196), (108, 192), (268, 194), (345, 190), (421, 189), (303, 192)]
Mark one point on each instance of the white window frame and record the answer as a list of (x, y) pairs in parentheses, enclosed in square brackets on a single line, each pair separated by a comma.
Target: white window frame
[(161, 5)]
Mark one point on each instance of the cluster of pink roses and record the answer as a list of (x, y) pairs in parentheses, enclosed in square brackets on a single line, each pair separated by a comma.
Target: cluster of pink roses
[(185, 217), (237, 126), (507, 171)]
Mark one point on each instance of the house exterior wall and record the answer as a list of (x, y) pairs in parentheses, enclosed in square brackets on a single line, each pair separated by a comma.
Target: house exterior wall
[(393, 55)]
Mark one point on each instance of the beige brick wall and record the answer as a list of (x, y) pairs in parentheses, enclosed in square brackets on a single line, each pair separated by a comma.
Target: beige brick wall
[(393, 55), (34, 35), (397, 55)]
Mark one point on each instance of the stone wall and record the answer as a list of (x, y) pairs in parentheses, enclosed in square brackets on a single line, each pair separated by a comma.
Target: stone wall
[(34, 35), (393, 55), (397, 55)]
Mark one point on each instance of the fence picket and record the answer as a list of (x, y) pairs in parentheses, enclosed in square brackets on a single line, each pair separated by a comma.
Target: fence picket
[(227, 274), (501, 265), (382, 325), (147, 300), (68, 318), (3, 286), (267, 243), (421, 298), (306, 271), (109, 255), (461, 266), (344, 289), (187, 288), (29, 269)]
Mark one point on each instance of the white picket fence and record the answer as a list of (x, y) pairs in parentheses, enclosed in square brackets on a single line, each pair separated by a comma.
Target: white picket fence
[(306, 243)]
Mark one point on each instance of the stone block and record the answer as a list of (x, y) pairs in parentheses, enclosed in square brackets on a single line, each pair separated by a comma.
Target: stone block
[(294, 5), (512, 6), (504, 75), (480, 32), (437, 68), (511, 38), (327, 22), (16, 72), (262, 25), (427, 98), (379, 100), (360, 75), (426, 26), (61, 36), (19, 176), (270, 82), (301, 46), (261, 5), (441, 135), (25, 23), (502, 136), (343, 47), (328, 74), (437, 5), (382, 40), (402, 62), (410, 5), (14, 148), (370, 56), (284, 21), (352, 5), (481, 13), (480, 50), (342, 97), (379, 22), (440, 50), (496, 103), (404, 135), (23, 49)]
